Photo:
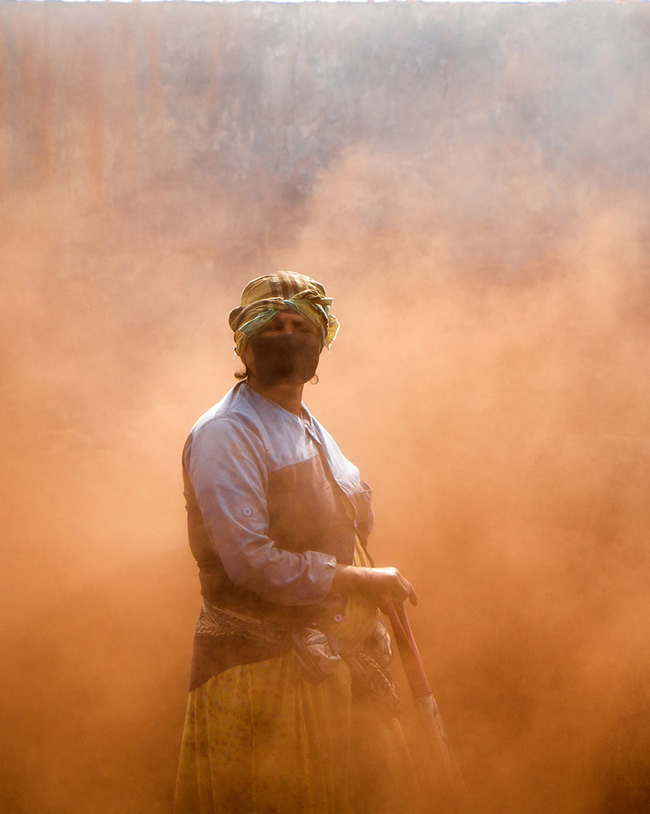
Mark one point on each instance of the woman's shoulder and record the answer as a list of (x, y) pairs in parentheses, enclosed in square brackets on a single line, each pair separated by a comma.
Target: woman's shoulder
[(229, 421)]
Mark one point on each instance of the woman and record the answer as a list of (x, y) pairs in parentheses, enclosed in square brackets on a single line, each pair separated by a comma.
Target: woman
[(291, 708)]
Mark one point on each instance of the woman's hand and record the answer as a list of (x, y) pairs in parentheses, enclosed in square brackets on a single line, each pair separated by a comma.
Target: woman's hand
[(375, 583)]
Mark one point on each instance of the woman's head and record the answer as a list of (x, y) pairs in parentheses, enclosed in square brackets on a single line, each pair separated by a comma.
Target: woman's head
[(284, 351), (284, 291)]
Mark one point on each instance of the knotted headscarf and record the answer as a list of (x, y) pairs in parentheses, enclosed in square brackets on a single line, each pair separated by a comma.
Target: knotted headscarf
[(264, 297)]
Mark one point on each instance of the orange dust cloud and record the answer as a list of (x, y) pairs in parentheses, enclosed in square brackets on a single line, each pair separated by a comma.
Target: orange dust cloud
[(470, 190)]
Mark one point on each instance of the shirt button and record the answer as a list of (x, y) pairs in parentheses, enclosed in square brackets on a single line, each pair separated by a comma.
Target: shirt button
[(247, 512)]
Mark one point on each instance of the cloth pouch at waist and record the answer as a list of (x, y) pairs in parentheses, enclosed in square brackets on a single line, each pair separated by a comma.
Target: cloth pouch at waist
[(225, 638)]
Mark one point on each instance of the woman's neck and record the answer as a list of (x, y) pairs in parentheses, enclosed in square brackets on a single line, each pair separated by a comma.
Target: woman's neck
[(288, 396)]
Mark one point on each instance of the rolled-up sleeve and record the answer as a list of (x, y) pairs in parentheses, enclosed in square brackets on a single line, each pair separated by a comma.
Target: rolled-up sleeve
[(226, 465)]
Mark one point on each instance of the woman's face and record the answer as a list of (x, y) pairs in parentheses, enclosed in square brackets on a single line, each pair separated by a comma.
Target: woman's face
[(285, 351)]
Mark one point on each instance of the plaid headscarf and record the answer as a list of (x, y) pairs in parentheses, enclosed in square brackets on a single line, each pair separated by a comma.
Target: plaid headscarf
[(264, 297)]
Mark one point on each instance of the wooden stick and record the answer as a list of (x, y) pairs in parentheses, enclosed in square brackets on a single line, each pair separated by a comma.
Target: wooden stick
[(448, 787)]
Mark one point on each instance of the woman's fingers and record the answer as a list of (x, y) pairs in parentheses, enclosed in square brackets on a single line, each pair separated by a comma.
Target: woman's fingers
[(390, 580), (408, 592), (413, 597), (375, 582)]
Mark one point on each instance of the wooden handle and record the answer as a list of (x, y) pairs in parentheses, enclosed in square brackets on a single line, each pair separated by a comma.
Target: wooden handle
[(408, 650)]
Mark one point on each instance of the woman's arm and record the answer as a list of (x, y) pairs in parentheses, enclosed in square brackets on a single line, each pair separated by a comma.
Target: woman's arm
[(225, 464)]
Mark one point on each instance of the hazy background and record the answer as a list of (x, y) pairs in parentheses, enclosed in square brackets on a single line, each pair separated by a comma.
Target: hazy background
[(471, 184)]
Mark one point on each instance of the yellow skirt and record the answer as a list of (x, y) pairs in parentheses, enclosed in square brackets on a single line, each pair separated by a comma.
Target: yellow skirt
[(259, 738)]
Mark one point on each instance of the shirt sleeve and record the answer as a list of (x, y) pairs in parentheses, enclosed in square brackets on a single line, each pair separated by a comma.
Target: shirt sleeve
[(226, 465)]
